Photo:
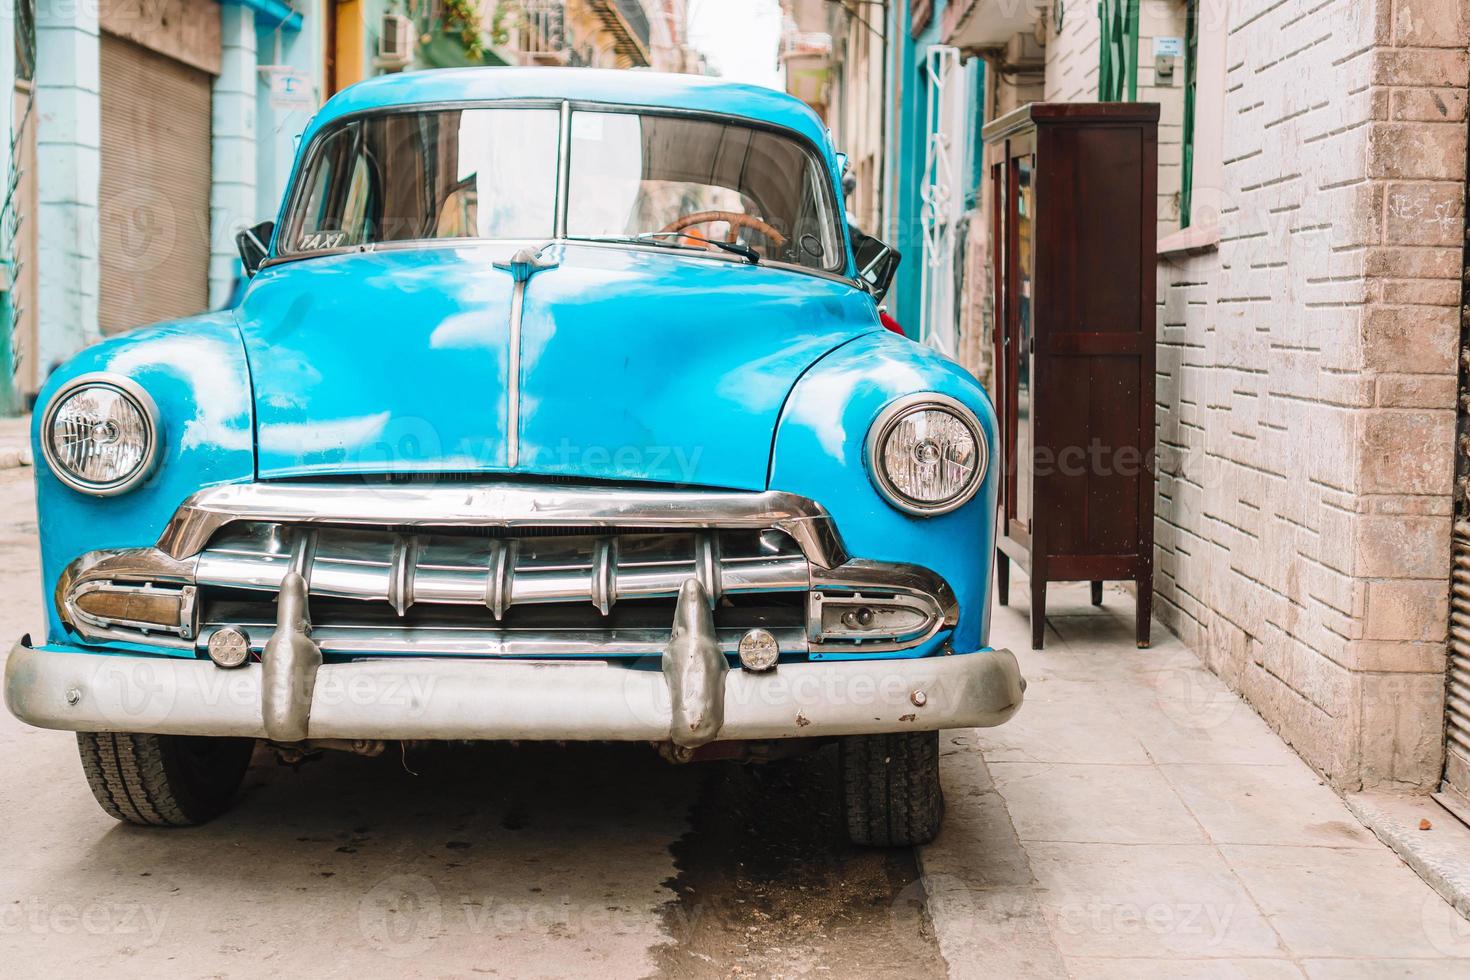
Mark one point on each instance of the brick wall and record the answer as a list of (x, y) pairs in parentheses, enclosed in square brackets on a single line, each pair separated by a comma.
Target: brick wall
[(1072, 53), (1072, 72), (1306, 377)]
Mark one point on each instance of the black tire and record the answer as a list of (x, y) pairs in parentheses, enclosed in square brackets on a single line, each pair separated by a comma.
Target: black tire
[(890, 788), (163, 780)]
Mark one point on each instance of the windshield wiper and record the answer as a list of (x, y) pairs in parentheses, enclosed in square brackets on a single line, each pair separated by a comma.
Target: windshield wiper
[(655, 238), (734, 248)]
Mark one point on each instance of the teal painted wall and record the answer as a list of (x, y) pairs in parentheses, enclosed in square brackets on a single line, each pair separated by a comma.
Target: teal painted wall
[(911, 128), (910, 106)]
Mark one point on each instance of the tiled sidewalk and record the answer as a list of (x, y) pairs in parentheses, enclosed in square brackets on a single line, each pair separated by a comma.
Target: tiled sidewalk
[(1137, 819)]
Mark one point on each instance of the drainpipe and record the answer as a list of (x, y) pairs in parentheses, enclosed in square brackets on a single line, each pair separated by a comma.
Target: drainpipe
[(9, 393)]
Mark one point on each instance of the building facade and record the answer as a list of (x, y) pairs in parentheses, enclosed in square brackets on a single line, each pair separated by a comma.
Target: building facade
[(143, 136), (1311, 230), (906, 109), (371, 37), (1309, 336)]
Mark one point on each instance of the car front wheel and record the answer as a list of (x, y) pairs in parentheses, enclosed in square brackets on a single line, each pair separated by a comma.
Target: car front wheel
[(890, 786), (163, 780)]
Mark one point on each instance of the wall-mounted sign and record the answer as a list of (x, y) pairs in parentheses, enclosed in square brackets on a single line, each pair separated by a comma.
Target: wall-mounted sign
[(1167, 52), (1168, 47), (290, 88)]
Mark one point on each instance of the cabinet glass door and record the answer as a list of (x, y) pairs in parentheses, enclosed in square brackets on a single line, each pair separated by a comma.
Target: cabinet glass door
[(1005, 374), (1021, 218)]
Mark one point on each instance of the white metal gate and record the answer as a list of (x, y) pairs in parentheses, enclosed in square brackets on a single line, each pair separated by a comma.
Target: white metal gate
[(18, 227), (1456, 789), (942, 195)]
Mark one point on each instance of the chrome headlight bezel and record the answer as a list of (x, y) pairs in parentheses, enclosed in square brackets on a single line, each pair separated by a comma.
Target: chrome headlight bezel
[(140, 400), (883, 427)]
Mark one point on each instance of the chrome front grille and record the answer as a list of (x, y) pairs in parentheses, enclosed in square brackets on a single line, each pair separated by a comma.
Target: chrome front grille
[(501, 569), (498, 573)]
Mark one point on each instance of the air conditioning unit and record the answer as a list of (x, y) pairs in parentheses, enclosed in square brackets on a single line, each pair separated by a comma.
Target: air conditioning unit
[(395, 41)]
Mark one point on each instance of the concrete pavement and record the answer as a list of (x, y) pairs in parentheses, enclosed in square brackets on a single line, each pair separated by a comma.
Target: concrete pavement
[(1135, 819), (442, 861)]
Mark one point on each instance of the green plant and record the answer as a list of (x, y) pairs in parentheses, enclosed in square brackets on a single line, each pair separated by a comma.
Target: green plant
[(463, 16), (500, 24)]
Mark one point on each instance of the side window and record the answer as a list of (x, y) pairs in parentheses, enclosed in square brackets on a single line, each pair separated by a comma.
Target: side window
[(320, 222), (314, 207), (360, 210)]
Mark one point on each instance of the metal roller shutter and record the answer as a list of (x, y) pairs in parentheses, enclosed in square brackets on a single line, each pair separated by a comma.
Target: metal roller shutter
[(154, 205)]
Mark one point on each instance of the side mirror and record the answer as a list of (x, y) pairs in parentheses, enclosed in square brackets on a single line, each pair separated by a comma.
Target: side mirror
[(254, 245), (877, 263)]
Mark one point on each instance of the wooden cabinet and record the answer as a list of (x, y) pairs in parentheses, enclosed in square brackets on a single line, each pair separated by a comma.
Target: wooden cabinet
[(1074, 219)]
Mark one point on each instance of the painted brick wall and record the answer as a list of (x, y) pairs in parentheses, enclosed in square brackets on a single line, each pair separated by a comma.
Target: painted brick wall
[(1072, 72), (68, 164), (1072, 53), (232, 192), (1306, 377)]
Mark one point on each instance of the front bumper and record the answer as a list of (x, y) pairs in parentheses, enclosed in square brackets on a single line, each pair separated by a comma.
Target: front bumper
[(412, 698), (677, 686)]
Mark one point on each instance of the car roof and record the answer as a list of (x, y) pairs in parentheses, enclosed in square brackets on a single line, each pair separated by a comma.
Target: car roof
[(659, 90)]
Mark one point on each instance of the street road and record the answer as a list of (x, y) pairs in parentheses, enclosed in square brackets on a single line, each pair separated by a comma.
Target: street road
[(506, 861)]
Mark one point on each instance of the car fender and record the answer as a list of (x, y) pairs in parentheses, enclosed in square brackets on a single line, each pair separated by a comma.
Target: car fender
[(195, 371), (820, 452)]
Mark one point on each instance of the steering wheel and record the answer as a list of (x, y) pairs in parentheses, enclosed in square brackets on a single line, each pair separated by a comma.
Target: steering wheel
[(736, 219)]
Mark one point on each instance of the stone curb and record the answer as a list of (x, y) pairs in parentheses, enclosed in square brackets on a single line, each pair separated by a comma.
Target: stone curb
[(1439, 855), (15, 442)]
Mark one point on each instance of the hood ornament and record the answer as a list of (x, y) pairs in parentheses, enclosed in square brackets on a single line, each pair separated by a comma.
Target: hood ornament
[(526, 262)]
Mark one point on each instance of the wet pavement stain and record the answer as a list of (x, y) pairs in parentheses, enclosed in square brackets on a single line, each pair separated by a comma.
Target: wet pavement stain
[(768, 885)]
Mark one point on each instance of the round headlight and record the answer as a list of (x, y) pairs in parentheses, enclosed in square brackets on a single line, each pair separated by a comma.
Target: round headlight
[(927, 454), (100, 434)]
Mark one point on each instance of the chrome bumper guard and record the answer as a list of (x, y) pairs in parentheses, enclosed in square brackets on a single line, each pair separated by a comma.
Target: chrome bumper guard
[(691, 699)]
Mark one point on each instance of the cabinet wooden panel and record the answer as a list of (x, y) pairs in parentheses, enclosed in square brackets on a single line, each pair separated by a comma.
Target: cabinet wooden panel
[(1073, 231)]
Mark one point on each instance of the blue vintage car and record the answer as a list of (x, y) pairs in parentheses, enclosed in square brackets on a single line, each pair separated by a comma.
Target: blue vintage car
[(557, 407)]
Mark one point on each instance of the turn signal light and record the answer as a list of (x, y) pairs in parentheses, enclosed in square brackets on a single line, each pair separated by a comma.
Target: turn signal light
[(141, 607)]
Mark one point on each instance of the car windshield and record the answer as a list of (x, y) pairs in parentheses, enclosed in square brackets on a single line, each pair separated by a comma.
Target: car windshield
[(682, 179), (491, 173)]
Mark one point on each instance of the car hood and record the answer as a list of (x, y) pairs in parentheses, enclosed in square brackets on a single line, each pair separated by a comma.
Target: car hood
[(633, 364)]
